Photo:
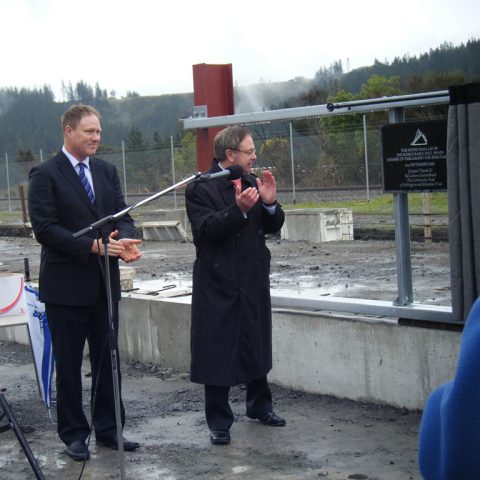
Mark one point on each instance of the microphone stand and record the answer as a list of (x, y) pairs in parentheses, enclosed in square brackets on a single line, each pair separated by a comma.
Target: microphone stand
[(112, 338), (230, 173), (112, 342), (112, 218)]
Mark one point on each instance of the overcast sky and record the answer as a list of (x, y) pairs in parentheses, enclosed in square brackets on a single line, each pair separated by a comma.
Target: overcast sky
[(149, 46)]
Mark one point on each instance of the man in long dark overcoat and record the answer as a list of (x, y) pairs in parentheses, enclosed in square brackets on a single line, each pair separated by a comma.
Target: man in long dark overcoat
[(231, 331)]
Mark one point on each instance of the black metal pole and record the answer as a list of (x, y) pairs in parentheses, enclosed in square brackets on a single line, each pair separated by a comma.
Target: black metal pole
[(21, 437), (112, 342)]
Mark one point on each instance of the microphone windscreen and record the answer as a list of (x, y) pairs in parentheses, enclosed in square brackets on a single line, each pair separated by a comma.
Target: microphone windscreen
[(236, 171)]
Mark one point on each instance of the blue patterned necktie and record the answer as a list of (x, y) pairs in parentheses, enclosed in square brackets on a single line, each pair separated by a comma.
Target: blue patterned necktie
[(86, 183)]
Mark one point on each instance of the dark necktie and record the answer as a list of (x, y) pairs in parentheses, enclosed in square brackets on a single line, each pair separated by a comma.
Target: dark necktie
[(85, 182)]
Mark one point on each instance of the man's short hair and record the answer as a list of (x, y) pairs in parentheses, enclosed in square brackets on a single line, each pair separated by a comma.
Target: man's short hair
[(74, 115), (228, 138)]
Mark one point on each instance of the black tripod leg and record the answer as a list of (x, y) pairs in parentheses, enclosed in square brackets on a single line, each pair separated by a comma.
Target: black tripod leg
[(20, 436)]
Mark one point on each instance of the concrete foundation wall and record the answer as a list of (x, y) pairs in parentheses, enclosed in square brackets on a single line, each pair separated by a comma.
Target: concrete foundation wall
[(351, 357), (360, 359), (156, 331)]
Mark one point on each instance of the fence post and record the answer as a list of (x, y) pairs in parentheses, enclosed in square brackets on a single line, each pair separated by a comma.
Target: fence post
[(427, 219), (293, 165), (124, 173), (8, 184), (21, 192), (172, 153), (366, 156)]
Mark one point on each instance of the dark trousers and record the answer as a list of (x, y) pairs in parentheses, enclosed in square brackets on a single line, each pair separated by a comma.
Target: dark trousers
[(218, 413), (70, 327)]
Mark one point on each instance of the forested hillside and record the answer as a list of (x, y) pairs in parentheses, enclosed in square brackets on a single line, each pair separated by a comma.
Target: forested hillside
[(435, 70), (29, 119), (416, 72)]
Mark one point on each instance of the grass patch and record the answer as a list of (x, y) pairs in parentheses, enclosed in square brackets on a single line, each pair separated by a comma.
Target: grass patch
[(383, 204), (11, 217)]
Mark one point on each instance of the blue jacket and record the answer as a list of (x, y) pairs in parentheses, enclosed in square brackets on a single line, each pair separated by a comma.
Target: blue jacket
[(449, 446)]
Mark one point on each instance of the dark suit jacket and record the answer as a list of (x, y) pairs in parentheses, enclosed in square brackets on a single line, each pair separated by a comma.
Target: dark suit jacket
[(59, 206)]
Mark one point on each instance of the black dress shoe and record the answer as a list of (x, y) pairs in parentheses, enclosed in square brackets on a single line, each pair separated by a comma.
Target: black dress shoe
[(111, 442), (272, 420), (78, 451), (218, 437)]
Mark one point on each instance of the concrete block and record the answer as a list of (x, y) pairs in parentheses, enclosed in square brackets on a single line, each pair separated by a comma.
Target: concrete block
[(161, 215), (318, 225), (127, 274), (165, 230)]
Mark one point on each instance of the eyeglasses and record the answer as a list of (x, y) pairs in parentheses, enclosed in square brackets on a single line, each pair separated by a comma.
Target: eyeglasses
[(250, 152)]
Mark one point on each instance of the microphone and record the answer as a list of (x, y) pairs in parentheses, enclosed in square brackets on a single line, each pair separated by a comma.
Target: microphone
[(231, 173)]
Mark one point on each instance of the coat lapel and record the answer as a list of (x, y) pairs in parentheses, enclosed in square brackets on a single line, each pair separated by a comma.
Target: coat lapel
[(72, 177), (226, 189)]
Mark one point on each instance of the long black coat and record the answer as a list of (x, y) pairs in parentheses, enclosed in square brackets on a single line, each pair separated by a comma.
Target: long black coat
[(231, 330)]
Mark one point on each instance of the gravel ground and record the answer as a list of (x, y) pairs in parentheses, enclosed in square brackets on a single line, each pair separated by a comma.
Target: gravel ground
[(325, 437)]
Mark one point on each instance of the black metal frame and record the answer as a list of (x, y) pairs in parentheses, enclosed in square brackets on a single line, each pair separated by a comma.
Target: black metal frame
[(13, 424)]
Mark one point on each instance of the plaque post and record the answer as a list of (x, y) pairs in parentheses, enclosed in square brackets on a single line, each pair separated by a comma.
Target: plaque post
[(402, 234)]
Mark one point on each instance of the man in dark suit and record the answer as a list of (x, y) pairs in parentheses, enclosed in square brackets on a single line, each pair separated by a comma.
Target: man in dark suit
[(231, 332), (67, 193)]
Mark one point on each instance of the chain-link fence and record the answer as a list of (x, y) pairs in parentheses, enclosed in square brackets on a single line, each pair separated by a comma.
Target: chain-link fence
[(312, 162), (322, 164)]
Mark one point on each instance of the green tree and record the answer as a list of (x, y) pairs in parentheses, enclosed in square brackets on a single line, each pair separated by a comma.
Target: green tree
[(275, 155), (380, 86), (84, 93), (135, 139), (341, 158), (186, 155), (132, 94)]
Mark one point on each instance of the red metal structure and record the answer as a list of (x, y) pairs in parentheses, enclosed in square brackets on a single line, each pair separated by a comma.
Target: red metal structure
[(213, 88)]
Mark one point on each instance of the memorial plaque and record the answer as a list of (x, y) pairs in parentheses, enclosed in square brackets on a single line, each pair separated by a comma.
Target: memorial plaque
[(415, 156)]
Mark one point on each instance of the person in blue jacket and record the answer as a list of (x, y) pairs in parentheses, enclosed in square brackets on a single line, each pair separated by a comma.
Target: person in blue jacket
[(449, 445)]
